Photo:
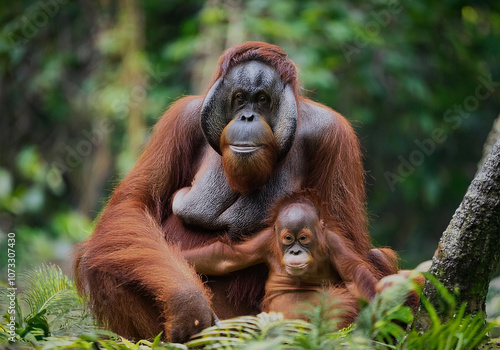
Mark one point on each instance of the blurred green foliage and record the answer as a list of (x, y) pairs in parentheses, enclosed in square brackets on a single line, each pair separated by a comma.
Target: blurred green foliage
[(83, 82)]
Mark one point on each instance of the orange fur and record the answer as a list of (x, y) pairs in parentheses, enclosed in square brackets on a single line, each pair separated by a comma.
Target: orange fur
[(334, 266), (131, 268)]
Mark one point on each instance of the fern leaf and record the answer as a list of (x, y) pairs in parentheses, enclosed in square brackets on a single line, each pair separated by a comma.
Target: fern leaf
[(47, 288)]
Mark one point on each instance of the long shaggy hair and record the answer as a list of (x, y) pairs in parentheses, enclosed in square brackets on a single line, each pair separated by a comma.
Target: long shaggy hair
[(272, 55)]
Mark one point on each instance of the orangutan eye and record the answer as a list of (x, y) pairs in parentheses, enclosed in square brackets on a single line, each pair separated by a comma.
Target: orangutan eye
[(288, 238), (262, 99), (302, 238), (240, 97)]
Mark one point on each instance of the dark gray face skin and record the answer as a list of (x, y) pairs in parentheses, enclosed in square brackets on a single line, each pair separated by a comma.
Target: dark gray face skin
[(251, 106), (255, 89), (209, 202), (250, 89)]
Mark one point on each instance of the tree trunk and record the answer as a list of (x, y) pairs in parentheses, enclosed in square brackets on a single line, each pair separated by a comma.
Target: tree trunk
[(490, 141), (133, 72), (469, 250), (215, 36)]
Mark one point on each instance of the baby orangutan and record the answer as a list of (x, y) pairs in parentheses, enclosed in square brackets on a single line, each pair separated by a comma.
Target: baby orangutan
[(306, 256)]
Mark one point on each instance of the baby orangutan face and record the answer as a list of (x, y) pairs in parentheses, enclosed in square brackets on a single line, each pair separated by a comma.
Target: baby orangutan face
[(297, 228)]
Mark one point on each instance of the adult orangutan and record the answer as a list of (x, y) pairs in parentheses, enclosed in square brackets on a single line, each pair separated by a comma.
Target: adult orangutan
[(307, 255), (211, 170)]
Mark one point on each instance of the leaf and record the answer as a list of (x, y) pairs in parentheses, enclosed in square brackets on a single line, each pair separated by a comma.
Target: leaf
[(444, 293), (377, 320), (54, 304), (49, 289), (460, 332), (37, 325), (249, 329)]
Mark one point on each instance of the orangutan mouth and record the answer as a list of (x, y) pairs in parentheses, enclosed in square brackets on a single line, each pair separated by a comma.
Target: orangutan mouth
[(243, 148)]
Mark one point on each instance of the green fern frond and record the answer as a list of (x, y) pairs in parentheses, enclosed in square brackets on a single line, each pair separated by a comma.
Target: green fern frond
[(54, 304), (324, 318), (250, 330), (47, 288)]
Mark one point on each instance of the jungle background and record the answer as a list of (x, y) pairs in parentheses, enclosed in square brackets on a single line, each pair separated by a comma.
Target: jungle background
[(82, 83)]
